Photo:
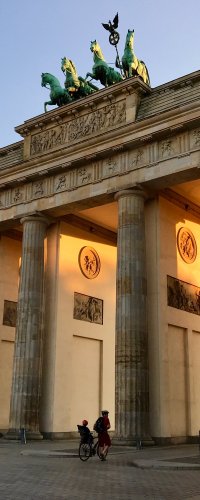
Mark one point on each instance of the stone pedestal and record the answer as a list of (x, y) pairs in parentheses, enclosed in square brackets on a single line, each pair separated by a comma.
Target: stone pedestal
[(132, 399), (26, 384)]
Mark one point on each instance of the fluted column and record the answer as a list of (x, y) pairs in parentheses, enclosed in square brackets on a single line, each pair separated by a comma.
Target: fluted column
[(26, 384), (132, 408)]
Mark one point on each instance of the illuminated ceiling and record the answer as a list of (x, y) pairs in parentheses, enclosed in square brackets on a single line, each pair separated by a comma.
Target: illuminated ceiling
[(181, 194)]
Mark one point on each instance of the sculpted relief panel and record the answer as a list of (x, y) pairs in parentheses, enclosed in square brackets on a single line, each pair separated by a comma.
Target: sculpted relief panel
[(72, 177), (78, 128), (137, 158)]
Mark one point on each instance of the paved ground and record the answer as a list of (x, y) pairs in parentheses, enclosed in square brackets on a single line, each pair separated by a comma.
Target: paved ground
[(52, 470)]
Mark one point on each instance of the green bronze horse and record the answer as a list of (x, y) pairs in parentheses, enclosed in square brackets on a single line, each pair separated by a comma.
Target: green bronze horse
[(101, 71), (130, 64), (58, 95), (75, 85)]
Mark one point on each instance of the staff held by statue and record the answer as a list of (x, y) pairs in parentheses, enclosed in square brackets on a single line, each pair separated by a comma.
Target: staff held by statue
[(114, 35)]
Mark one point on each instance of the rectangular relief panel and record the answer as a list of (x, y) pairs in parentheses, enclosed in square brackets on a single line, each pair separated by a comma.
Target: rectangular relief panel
[(10, 313), (183, 295), (88, 308)]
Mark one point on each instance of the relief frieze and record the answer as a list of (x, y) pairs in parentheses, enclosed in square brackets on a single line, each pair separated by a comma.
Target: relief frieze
[(17, 195), (110, 167), (137, 159), (38, 189), (78, 128), (166, 149), (84, 176), (196, 137), (49, 139), (72, 177), (182, 295), (97, 121), (60, 183)]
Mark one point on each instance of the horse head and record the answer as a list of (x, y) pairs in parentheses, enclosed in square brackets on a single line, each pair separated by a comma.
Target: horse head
[(68, 65), (44, 79), (64, 64), (96, 49), (48, 78), (130, 38), (93, 46)]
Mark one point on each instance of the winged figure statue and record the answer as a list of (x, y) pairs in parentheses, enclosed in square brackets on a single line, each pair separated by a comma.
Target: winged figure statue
[(111, 26)]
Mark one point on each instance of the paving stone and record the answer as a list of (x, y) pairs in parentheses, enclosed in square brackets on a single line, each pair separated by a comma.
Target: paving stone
[(42, 476)]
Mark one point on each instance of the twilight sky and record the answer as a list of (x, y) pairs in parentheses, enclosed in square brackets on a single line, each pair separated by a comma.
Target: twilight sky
[(35, 35)]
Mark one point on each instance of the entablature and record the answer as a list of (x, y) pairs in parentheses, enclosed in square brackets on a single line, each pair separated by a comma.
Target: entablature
[(98, 145)]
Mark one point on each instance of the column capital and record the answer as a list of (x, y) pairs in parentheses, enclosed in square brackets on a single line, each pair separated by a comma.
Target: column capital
[(136, 191), (36, 217)]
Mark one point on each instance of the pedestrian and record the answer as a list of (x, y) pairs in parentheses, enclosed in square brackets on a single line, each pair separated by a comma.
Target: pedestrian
[(101, 426)]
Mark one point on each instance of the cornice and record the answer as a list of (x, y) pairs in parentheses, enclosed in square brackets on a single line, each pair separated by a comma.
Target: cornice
[(123, 138), (179, 82), (148, 162), (11, 147)]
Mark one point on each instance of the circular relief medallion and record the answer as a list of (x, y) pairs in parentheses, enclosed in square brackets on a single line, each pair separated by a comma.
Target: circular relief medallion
[(89, 262), (187, 246)]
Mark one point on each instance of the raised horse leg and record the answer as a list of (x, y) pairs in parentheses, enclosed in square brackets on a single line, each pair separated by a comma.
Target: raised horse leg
[(50, 103), (92, 76)]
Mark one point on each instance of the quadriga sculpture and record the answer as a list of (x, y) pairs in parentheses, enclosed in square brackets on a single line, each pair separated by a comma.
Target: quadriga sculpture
[(100, 70), (130, 64), (58, 95), (74, 84)]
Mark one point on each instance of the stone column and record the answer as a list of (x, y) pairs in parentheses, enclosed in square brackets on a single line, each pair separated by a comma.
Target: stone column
[(27, 368), (132, 408)]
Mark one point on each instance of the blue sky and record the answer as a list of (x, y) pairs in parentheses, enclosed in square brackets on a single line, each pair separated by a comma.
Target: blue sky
[(35, 35)]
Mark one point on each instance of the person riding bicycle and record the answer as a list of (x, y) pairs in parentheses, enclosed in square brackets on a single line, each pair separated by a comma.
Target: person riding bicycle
[(103, 436)]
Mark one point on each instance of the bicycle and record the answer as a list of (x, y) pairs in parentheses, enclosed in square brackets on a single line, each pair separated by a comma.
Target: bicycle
[(87, 448)]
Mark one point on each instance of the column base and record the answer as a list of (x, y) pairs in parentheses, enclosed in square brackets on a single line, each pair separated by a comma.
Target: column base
[(14, 434), (133, 441)]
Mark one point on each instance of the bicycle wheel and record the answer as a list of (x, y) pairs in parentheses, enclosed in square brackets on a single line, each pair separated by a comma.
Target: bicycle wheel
[(84, 451)]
